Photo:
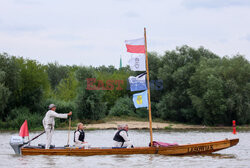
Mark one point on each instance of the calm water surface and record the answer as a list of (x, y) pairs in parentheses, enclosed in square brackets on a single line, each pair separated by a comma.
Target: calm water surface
[(237, 156)]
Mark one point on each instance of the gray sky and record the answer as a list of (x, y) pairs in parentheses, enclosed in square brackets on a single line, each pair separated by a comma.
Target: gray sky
[(93, 32)]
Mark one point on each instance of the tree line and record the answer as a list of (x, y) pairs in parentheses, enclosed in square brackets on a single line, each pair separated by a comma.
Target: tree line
[(197, 87)]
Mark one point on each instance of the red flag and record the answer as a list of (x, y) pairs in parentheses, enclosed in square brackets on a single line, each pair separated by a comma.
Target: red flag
[(24, 130)]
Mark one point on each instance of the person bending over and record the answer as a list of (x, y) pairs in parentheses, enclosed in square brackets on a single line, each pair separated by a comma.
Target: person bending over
[(121, 137)]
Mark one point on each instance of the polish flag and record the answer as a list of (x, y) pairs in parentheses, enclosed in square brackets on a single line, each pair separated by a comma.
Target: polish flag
[(135, 46), (24, 130)]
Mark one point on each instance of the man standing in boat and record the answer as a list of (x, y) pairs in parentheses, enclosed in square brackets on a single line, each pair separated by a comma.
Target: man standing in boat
[(49, 123), (121, 137)]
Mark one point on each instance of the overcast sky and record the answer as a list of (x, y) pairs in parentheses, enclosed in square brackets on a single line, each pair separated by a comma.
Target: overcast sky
[(92, 32)]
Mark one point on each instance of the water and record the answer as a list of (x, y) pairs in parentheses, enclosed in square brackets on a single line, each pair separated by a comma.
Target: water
[(237, 156)]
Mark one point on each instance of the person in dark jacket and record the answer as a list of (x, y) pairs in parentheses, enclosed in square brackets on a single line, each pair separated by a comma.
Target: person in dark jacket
[(121, 137), (79, 136)]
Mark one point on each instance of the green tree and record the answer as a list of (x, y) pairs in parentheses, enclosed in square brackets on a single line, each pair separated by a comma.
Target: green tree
[(56, 73), (177, 69), (66, 90), (33, 85), (219, 91), (118, 87), (4, 94), (89, 102), (123, 107), (11, 80)]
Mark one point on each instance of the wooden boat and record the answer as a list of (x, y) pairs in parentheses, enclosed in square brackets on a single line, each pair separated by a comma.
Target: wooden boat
[(190, 149)]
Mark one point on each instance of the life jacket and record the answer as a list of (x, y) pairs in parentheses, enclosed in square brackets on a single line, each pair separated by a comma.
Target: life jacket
[(81, 136), (118, 137)]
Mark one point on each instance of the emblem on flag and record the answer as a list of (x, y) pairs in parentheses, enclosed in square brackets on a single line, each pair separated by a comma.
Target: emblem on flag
[(137, 62), (141, 99)]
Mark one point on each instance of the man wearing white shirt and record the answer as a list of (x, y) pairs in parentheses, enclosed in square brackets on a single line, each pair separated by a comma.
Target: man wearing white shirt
[(49, 123), (121, 137)]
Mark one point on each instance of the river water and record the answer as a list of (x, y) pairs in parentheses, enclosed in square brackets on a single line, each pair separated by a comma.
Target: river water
[(237, 156)]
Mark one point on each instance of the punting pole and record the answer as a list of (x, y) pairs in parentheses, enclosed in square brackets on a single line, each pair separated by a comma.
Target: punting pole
[(69, 130), (34, 138), (149, 102)]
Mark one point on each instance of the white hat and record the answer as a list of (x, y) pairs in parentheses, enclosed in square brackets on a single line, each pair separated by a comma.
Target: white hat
[(51, 106)]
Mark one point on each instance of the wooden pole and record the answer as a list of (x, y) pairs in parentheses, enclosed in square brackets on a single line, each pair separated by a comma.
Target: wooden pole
[(69, 130), (29, 139), (149, 102)]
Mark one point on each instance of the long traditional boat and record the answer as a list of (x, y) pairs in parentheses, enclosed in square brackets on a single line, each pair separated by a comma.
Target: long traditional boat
[(190, 149)]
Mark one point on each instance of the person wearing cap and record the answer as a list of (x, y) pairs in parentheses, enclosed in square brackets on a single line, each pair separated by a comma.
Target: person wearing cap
[(49, 123)]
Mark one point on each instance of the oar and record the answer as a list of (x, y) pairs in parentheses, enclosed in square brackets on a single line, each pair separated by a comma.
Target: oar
[(33, 138), (69, 130)]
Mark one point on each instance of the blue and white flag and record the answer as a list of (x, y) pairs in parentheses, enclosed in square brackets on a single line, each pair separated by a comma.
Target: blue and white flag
[(141, 99), (138, 83)]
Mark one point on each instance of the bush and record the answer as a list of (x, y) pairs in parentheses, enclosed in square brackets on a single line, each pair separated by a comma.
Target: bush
[(123, 107), (89, 103), (18, 115), (61, 106)]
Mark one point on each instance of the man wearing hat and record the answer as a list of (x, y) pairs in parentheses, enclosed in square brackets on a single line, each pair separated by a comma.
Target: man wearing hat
[(49, 122)]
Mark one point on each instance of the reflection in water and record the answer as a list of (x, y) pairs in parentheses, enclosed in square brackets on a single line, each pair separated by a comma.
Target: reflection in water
[(49, 160), (23, 160), (221, 156)]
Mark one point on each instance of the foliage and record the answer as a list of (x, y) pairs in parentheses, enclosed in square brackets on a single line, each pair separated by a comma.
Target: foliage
[(220, 91), (123, 107), (66, 90), (4, 93), (18, 115), (119, 86), (176, 71), (56, 73), (33, 85), (61, 106), (187, 85), (89, 102)]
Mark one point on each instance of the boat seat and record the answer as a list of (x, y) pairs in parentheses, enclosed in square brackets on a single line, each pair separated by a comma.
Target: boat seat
[(43, 146), (33, 147)]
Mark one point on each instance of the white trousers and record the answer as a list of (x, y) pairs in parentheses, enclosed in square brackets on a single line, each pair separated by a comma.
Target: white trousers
[(82, 145), (126, 144), (49, 133)]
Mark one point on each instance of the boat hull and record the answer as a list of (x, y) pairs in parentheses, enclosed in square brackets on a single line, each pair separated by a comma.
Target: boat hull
[(190, 149)]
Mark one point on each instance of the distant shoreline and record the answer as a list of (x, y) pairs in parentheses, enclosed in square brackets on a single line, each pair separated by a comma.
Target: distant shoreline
[(143, 125)]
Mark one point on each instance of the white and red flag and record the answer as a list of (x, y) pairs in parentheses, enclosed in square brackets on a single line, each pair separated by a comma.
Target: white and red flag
[(135, 46)]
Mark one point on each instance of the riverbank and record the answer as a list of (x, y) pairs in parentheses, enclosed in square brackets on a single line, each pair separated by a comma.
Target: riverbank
[(139, 124)]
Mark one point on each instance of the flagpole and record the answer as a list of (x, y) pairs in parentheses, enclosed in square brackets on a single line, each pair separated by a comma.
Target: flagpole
[(149, 102)]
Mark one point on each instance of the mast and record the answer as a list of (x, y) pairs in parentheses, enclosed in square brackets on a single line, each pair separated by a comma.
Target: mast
[(149, 102)]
